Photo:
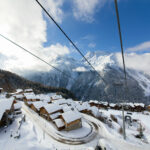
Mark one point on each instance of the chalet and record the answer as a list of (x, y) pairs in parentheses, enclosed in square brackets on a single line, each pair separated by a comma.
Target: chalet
[(37, 105), (118, 106), (129, 107), (50, 109), (59, 124), (28, 103), (103, 105), (65, 108), (72, 120), (148, 108), (31, 97), (112, 105), (28, 91), (139, 107), (1, 90), (19, 97), (17, 108), (19, 91), (56, 97), (6, 111), (94, 103), (61, 101), (81, 108), (55, 115)]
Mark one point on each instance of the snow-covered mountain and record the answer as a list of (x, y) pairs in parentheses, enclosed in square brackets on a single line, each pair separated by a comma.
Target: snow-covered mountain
[(87, 85)]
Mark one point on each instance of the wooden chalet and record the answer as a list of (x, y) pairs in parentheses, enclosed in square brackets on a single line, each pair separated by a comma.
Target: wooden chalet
[(55, 97), (31, 97), (17, 108), (55, 115), (50, 109), (139, 107), (1, 90), (19, 91), (82, 108), (72, 120), (19, 97), (37, 105), (28, 91), (59, 124), (112, 105), (6, 111), (148, 108)]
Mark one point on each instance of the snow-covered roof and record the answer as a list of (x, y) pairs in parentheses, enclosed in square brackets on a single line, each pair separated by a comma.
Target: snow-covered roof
[(81, 107), (17, 106), (71, 116), (5, 104), (39, 104), (51, 108), (139, 104), (61, 101), (112, 105), (59, 123), (130, 104), (26, 94), (19, 96), (55, 115), (28, 90), (94, 110), (19, 90), (65, 107), (31, 96), (56, 96)]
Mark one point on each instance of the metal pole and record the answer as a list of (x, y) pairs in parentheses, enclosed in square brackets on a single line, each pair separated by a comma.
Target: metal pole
[(121, 44)]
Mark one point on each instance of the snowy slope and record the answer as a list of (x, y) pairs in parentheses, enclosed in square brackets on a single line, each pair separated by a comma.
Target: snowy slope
[(108, 67)]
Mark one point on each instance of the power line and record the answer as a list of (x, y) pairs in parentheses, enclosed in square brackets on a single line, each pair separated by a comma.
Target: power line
[(36, 56), (69, 39), (124, 67)]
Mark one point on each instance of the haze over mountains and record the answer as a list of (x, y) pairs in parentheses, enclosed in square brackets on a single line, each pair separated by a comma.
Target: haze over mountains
[(87, 85)]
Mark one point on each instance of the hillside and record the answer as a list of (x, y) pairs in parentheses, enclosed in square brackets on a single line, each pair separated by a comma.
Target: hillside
[(10, 81)]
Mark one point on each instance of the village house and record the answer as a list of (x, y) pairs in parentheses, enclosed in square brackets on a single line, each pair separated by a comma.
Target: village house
[(139, 107), (59, 124), (17, 108), (30, 97), (28, 91), (19, 97), (37, 105), (56, 97), (1, 90), (6, 111), (19, 91), (148, 108), (81, 108), (65, 107), (72, 120), (50, 109)]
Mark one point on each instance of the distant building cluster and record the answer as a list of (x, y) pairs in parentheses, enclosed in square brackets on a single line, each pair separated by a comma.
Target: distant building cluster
[(65, 114)]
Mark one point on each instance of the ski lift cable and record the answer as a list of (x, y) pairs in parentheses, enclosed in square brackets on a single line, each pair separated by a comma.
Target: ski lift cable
[(78, 50), (35, 56)]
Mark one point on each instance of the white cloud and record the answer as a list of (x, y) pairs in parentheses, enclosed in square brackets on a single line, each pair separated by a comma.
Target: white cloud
[(140, 47), (85, 9), (22, 21), (135, 61), (54, 8), (91, 45)]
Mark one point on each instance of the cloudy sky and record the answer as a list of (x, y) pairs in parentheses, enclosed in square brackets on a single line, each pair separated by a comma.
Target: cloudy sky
[(91, 24)]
